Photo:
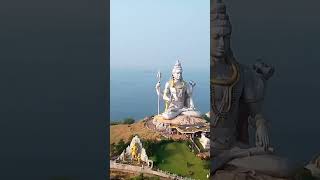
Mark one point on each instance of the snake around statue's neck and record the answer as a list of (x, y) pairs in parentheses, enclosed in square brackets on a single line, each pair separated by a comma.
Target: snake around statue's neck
[(228, 84)]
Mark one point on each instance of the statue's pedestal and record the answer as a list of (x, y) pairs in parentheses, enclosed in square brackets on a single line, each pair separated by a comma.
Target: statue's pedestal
[(179, 120), (182, 124)]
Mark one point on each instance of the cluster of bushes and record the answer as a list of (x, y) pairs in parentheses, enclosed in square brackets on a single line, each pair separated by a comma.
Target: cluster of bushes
[(206, 117), (128, 120), (117, 148)]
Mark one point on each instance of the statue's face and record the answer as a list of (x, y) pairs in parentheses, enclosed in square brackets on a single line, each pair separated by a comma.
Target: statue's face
[(177, 75), (220, 41)]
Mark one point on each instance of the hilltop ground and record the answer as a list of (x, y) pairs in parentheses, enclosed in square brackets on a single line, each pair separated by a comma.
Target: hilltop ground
[(125, 131)]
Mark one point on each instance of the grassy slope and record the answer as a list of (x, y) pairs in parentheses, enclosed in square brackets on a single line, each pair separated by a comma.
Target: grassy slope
[(173, 157)]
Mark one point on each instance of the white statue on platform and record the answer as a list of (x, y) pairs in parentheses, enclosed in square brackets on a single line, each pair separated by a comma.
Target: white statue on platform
[(177, 95)]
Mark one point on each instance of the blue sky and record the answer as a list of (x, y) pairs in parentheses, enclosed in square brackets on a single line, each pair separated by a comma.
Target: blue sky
[(152, 34)]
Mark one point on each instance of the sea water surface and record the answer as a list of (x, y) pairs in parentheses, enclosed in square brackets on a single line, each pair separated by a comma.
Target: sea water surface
[(133, 94)]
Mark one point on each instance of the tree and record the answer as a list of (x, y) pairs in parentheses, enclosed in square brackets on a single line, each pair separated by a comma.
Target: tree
[(114, 123), (205, 117), (128, 121), (120, 146), (149, 146), (112, 149)]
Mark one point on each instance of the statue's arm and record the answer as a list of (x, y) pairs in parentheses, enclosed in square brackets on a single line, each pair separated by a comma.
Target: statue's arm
[(256, 87), (166, 93), (158, 90), (189, 96), (255, 114), (253, 95), (265, 71), (257, 120), (262, 131)]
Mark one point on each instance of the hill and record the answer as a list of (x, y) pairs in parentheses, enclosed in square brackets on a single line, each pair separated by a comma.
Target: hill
[(125, 131)]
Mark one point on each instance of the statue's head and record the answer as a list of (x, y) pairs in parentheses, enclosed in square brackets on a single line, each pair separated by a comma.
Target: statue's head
[(220, 31), (177, 71)]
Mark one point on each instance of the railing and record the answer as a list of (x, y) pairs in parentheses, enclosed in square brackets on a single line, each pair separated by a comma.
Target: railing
[(195, 144), (157, 172)]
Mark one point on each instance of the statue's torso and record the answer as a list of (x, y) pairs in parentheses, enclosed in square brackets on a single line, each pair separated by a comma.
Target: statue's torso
[(234, 88), (178, 93), (226, 89)]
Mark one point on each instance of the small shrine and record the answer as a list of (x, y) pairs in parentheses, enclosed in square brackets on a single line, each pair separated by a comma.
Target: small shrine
[(205, 142), (135, 154)]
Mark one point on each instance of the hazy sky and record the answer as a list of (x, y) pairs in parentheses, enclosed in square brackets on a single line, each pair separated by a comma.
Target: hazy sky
[(153, 34)]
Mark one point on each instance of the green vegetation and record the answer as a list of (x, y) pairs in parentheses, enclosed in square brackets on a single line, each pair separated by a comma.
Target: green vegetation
[(151, 146), (127, 120), (177, 158), (206, 117), (116, 149)]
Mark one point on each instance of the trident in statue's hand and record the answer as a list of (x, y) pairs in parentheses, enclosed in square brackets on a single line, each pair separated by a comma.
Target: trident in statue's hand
[(158, 90)]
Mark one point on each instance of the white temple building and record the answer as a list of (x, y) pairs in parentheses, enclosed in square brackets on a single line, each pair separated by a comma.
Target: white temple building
[(205, 142)]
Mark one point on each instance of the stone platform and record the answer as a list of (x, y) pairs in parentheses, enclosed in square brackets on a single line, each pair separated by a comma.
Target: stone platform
[(179, 120), (182, 123)]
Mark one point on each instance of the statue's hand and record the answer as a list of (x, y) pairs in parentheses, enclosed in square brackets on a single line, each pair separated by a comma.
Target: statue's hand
[(262, 136), (192, 83), (158, 87), (264, 69), (174, 97)]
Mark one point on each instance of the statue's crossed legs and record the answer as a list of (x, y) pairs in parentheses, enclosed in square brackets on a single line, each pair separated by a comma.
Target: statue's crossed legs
[(253, 159), (174, 112)]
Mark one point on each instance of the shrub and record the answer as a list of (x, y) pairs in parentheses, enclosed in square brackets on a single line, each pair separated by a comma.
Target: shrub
[(128, 121), (120, 146), (205, 117), (115, 122), (112, 149)]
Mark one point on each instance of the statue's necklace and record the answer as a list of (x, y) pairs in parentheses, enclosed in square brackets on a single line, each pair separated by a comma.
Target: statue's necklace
[(229, 83), (178, 87)]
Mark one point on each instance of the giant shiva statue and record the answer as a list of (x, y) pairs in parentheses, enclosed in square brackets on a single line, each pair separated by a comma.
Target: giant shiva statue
[(177, 95), (237, 93)]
